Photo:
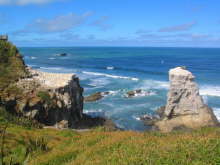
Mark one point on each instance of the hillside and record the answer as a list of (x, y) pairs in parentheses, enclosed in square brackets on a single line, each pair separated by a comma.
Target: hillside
[(100, 147), (11, 68)]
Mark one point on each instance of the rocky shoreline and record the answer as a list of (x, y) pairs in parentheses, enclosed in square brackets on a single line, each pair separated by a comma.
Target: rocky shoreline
[(66, 87), (56, 99)]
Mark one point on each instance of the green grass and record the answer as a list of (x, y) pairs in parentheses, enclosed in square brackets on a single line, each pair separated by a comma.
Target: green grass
[(11, 68), (201, 147), (45, 97)]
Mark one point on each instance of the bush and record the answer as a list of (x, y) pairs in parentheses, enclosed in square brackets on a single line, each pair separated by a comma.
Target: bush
[(11, 65), (45, 97), (6, 117)]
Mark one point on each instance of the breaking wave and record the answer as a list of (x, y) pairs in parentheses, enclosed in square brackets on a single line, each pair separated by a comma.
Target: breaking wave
[(111, 76), (217, 113), (209, 90)]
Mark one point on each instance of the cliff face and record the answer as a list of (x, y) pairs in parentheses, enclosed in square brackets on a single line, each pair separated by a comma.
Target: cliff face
[(57, 98), (185, 107), (52, 99)]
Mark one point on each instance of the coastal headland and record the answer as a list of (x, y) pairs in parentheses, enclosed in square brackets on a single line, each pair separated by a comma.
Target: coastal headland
[(31, 100)]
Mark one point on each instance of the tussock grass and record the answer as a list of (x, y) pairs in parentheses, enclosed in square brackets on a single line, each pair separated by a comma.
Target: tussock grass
[(11, 65), (201, 147)]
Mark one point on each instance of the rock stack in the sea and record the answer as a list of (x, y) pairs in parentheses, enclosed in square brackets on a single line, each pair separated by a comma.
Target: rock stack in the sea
[(185, 107)]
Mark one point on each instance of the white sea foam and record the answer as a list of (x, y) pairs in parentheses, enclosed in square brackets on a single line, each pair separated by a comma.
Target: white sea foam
[(136, 118), (92, 111), (153, 84), (99, 82), (205, 90), (112, 93), (56, 70), (217, 113), (205, 99), (51, 58), (209, 90), (111, 76), (110, 67), (98, 112), (33, 58), (142, 93), (51, 68), (30, 65)]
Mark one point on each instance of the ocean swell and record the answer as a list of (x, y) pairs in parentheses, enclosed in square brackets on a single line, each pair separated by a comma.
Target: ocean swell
[(109, 75), (209, 90)]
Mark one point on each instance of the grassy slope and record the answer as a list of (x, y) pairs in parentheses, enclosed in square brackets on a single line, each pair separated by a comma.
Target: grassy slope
[(11, 68), (114, 148)]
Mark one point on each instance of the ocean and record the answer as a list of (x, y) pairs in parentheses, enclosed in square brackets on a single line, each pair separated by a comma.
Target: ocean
[(122, 69)]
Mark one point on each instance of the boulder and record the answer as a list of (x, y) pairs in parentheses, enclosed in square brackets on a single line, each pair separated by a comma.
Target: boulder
[(185, 107), (62, 55), (133, 93), (94, 97), (149, 120), (138, 92)]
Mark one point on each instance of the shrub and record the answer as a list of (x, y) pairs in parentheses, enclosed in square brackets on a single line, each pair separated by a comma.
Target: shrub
[(6, 117), (45, 96)]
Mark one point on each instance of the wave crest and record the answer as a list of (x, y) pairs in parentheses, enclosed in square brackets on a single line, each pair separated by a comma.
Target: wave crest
[(111, 76), (208, 90)]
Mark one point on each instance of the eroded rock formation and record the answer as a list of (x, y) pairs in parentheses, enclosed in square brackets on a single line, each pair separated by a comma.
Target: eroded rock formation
[(51, 98), (185, 107), (48, 98)]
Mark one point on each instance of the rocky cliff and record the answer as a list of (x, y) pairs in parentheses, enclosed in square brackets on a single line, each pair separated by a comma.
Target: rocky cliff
[(185, 107), (52, 99)]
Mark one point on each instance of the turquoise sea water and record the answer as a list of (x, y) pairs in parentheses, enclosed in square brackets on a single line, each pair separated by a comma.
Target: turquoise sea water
[(119, 70)]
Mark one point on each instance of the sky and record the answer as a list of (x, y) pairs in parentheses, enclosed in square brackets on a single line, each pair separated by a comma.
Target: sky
[(150, 23)]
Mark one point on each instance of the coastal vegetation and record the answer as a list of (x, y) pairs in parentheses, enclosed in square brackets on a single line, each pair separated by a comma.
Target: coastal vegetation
[(97, 146), (11, 64)]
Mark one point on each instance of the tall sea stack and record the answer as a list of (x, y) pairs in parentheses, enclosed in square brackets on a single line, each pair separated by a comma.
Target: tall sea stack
[(185, 107)]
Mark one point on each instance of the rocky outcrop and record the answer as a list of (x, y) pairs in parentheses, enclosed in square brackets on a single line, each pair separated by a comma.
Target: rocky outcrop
[(50, 98), (94, 97), (138, 93), (185, 107)]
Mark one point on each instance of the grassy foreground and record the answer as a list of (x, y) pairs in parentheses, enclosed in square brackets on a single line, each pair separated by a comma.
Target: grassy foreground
[(98, 147)]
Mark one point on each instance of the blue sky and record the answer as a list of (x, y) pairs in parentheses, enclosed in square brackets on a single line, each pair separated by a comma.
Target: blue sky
[(162, 23)]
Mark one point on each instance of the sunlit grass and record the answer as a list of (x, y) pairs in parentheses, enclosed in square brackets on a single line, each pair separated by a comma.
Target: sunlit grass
[(201, 147)]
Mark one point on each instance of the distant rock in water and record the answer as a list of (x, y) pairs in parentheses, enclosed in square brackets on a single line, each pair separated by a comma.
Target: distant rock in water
[(185, 107), (96, 96), (62, 54), (138, 92)]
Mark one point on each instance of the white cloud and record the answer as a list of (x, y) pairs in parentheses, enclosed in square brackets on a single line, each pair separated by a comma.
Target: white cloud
[(101, 23), (57, 24), (178, 28), (25, 2)]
